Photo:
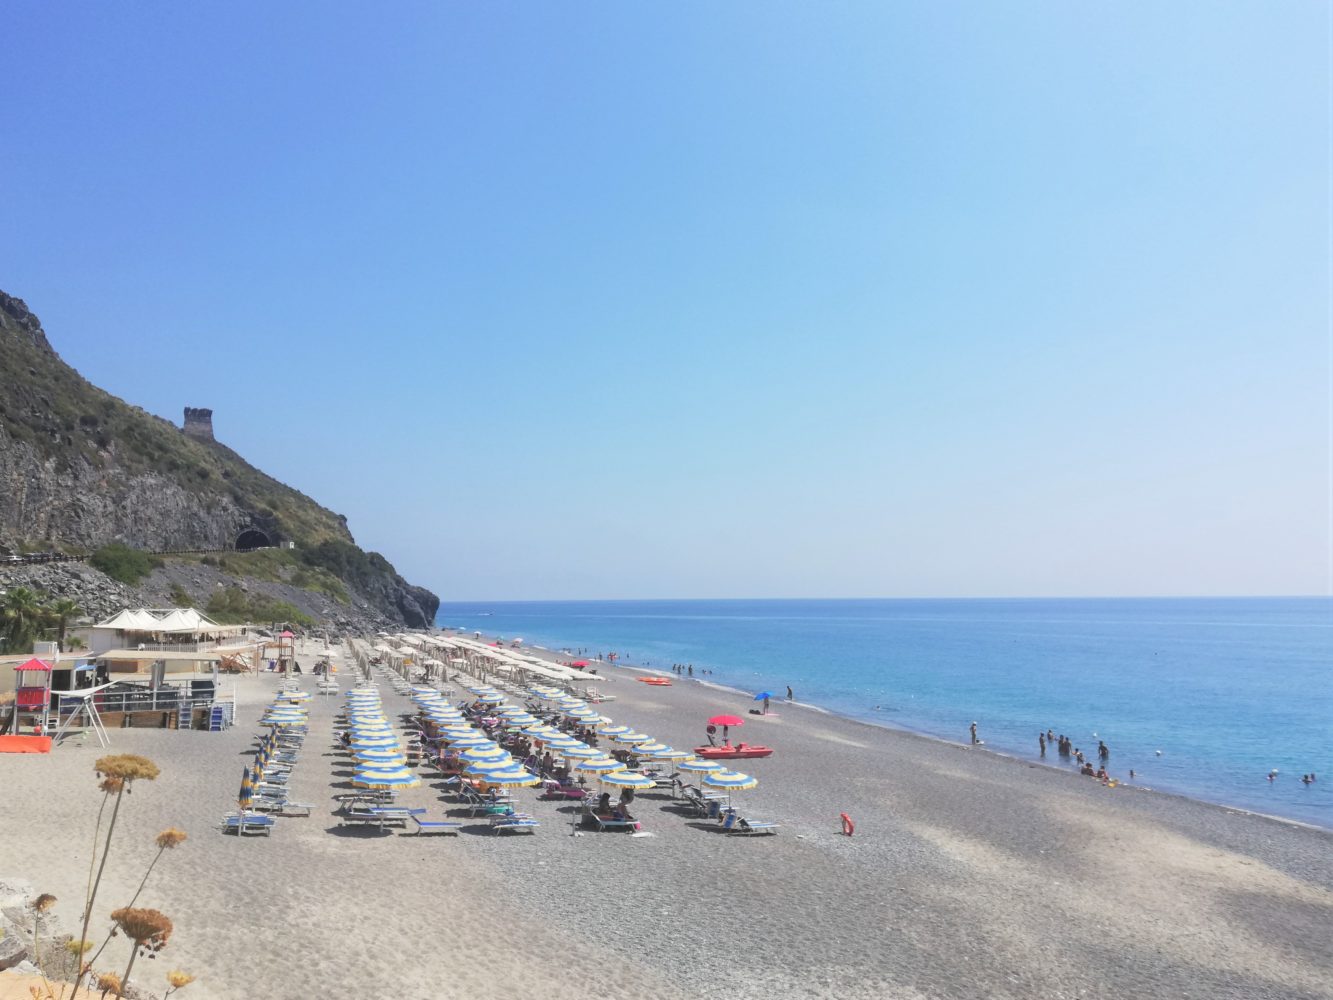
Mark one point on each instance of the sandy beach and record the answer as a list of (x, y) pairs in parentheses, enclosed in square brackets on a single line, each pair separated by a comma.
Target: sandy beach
[(969, 875)]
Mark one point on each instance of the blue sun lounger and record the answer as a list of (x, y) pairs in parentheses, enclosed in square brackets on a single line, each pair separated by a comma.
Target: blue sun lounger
[(441, 826), (249, 822)]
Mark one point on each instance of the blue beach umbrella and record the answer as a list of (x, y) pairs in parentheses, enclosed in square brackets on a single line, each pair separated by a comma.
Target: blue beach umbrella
[(764, 694)]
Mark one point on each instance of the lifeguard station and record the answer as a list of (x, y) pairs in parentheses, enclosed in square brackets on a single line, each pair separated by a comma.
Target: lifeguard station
[(32, 697), (76, 707)]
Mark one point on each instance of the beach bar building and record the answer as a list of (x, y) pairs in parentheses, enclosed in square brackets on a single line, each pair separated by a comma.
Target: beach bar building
[(159, 667)]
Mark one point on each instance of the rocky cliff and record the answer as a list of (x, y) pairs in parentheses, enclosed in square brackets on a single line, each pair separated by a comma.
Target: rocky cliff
[(80, 468)]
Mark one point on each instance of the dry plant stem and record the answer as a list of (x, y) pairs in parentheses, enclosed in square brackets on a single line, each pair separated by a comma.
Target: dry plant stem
[(88, 896), (92, 895), (160, 852), (37, 958), (125, 979)]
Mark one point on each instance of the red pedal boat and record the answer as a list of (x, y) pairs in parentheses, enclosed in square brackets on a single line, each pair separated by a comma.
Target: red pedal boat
[(742, 751)]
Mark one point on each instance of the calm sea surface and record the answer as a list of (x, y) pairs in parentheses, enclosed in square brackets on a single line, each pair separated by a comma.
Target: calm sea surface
[(1226, 689)]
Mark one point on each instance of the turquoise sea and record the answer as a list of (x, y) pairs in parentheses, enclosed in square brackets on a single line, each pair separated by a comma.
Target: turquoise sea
[(1226, 689)]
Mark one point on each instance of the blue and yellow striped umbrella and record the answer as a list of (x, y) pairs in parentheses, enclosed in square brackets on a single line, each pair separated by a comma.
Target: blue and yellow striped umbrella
[(514, 778), (492, 752), (700, 766), (630, 738), (732, 781), (467, 742), (387, 740), (598, 765), (613, 730), (580, 752), (669, 754), (247, 790), (627, 779), (484, 767), (562, 742), (397, 778), (378, 753), (648, 749)]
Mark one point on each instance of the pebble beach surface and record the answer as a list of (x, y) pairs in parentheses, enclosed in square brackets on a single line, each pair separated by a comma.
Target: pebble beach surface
[(969, 875)]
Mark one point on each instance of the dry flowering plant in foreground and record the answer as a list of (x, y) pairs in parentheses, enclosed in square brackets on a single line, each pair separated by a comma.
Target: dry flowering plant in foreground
[(149, 930)]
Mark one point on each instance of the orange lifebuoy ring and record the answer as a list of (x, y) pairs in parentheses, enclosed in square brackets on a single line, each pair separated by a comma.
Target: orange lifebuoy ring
[(848, 827)]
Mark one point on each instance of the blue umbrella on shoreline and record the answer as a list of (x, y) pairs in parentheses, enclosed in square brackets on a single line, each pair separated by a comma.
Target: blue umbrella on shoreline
[(764, 694)]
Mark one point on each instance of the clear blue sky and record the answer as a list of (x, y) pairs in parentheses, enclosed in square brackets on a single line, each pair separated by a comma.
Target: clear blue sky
[(740, 299)]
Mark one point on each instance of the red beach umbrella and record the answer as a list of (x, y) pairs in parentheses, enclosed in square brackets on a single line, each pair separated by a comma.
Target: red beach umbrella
[(726, 720)]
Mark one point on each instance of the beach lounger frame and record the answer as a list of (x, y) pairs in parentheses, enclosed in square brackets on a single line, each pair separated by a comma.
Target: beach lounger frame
[(513, 823), (736, 825)]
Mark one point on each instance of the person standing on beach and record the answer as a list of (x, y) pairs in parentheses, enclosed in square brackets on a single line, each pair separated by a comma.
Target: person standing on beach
[(765, 704), (974, 734), (789, 694), (1041, 741), (691, 669)]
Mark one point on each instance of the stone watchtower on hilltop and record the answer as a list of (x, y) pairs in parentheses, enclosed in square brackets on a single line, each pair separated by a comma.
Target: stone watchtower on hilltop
[(199, 423)]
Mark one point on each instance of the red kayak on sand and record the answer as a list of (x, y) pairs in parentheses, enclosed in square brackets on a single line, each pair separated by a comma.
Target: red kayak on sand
[(738, 752)]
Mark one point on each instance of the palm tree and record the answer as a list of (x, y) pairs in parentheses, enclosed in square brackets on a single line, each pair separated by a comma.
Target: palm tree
[(58, 613), (21, 614)]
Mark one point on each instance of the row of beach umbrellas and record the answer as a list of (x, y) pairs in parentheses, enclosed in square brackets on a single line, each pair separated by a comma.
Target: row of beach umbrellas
[(454, 729), (378, 755)]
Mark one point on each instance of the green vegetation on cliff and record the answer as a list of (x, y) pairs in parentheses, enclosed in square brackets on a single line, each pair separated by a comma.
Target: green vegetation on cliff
[(233, 605), (123, 563)]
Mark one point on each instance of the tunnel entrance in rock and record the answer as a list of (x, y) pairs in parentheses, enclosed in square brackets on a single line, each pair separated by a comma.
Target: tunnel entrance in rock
[(252, 538)]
